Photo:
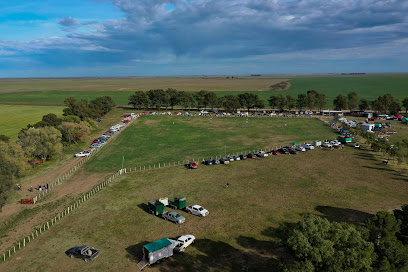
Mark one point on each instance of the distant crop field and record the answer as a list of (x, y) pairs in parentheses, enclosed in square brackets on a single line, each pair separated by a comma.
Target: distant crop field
[(55, 91), (239, 234), (167, 139), (15, 117)]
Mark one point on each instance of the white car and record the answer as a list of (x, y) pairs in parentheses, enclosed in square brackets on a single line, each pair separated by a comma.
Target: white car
[(84, 153), (197, 210), (261, 154), (308, 146), (183, 242), (327, 144), (300, 148), (356, 145), (335, 143)]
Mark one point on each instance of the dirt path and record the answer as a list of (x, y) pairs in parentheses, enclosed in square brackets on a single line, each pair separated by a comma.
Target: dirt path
[(43, 178), (79, 183)]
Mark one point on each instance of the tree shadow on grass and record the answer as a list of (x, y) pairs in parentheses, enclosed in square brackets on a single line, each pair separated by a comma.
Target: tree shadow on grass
[(335, 214), (219, 256), (143, 207)]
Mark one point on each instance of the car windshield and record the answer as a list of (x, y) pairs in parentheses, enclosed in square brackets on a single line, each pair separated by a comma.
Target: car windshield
[(200, 209), (177, 215)]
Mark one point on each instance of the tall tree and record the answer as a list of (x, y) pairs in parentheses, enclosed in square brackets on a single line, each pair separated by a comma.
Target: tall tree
[(402, 215), (290, 102), (173, 97), (340, 102), (139, 100), (230, 103), (301, 101), (321, 101), (72, 132), (405, 104), (281, 102), (318, 245), (158, 98), (352, 100), (248, 100), (200, 98), (186, 99), (311, 99), (211, 99), (272, 101), (364, 104)]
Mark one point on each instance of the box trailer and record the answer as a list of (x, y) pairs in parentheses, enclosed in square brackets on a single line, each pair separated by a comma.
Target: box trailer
[(155, 207), (156, 251), (178, 203)]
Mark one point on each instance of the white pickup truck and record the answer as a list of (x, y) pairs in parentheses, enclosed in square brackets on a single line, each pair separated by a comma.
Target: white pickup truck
[(197, 210), (183, 242)]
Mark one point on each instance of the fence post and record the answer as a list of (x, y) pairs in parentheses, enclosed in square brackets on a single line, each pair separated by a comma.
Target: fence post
[(24, 240)]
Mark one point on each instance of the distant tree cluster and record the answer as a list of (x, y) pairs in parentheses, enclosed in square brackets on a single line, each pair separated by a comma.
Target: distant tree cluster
[(311, 100), (386, 104), (171, 98), (317, 244), (46, 138)]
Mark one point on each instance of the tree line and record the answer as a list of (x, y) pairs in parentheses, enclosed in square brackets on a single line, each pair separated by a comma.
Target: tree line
[(316, 244), (311, 100), (47, 138)]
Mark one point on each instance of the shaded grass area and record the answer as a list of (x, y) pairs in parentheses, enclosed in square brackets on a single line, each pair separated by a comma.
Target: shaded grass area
[(239, 233), (15, 117), (168, 139)]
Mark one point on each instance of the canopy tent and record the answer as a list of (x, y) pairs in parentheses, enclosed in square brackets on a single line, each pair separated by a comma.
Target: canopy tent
[(294, 143)]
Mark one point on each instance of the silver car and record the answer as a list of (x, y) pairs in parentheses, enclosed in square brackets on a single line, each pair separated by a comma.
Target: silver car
[(173, 217)]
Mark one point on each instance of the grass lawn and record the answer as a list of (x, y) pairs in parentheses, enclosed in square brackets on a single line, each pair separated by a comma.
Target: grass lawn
[(168, 139), (238, 235), (15, 117)]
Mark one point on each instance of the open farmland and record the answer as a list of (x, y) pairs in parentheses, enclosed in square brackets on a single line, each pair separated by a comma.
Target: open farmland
[(55, 91), (168, 139), (238, 234), (15, 117)]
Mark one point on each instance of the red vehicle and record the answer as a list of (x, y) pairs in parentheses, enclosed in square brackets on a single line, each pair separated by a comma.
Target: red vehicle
[(192, 165), (251, 156), (275, 152)]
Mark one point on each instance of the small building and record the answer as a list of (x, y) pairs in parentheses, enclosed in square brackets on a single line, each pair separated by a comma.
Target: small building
[(332, 113), (367, 127)]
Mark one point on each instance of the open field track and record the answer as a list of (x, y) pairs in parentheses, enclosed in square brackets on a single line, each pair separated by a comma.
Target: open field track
[(341, 185)]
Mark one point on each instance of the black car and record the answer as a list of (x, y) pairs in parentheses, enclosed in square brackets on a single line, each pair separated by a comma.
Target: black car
[(293, 151), (215, 161), (85, 253), (208, 162), (243, 157), (283, 151), (251, 156)]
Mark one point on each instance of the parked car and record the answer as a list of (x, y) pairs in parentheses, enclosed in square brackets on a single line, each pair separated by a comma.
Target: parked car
[(327, 144), (192, 165), (243, 157), (84, 153), (208, 162), (262, 154), (96, 145), (283, 150), (224, 160), (173, 217), (356, 145), (293, 151), (275, 152), (85, 253), (197, 210), (335, 143), (309, 146), (251, 156), (230, 158), (300, 148), (184, 241), (236, 158), (216, 161)]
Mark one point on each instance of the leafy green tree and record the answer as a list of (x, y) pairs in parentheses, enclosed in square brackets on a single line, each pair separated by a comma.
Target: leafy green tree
[(248, 100), (281, 102), (301, 101), (158, 98), (103, 105), (200, 98), (311, 99), (364, 104), (186, 99), (272, 101), (352, 100), (139, 100), (211, 99), (318, 245), (394, 108), (71, 119), (340, 102), (230, 103), (73, 132), (402, 215), (290, 102), (41, 142), (386, 104), (259, 104), (405, 104), (321, 101)]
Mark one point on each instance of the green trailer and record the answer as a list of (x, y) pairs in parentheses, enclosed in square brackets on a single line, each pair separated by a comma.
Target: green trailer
[(345, 139), (155, 207), (179, 203)]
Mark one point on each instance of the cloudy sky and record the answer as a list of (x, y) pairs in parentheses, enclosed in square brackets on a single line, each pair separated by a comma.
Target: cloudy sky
[(44, 38)]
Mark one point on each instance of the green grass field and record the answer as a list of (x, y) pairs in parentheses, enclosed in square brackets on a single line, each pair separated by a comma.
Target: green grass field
[(15, 117), (167, 139), (55, 91), (238, 235)]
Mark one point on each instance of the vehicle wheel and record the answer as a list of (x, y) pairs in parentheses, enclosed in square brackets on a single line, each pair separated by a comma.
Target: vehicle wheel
[(86, 259), (71, 256)]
